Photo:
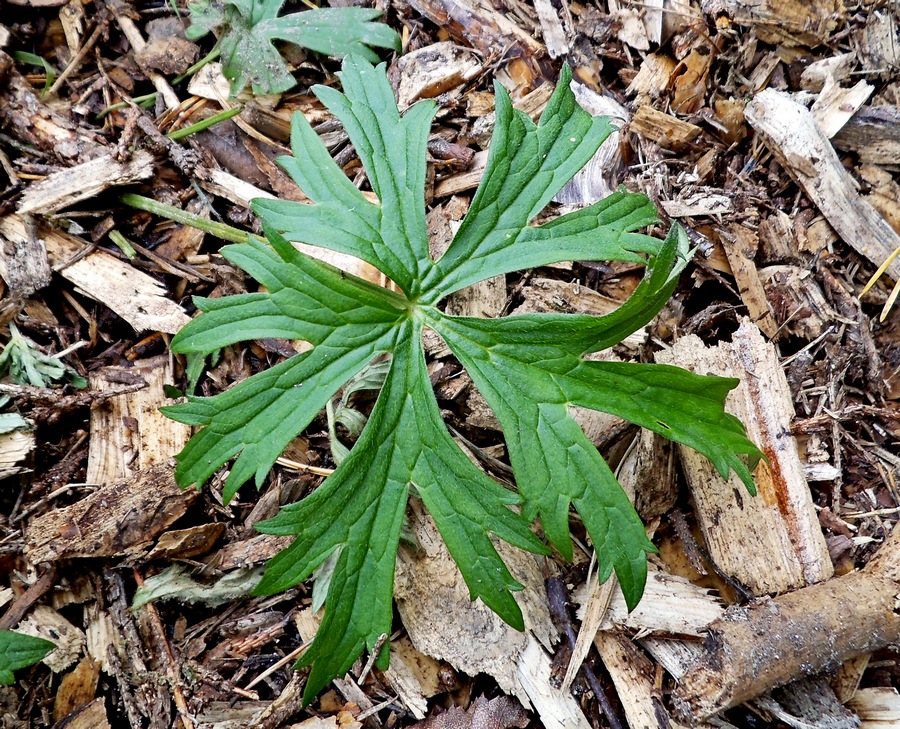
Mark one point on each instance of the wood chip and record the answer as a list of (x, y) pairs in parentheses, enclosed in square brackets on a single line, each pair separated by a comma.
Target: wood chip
[(442, 622), (836, 68), (138, 298), (805, 152), (24, 264), (128, 432), (121, 518), (835, 105), (771, 542), (791, 22), (15, 447), (873, 134), (65, 188), (740, 246), (434, 70), (753, 649), (664, 129), (555, 35), (877, 707), (45, 622)]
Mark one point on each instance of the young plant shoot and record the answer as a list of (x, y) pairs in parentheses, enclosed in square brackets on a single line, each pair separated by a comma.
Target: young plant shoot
[(530, 368)]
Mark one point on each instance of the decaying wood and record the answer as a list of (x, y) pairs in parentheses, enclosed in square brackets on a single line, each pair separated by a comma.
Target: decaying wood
[(15, 447), (799, 306), (806, 153), (138, 298), (45, 622), (86, 180), (878, 708), (602, 174), (767, 644), (771, 542), (33, 122), (789, 22), (413, 675), (24, 264), (634, 677), (442, 622), (740, 246), (433, 70), (128, 432), (873, 133), (494, 34), (835, 105), (120, 518), (553, 28), (662, 128)]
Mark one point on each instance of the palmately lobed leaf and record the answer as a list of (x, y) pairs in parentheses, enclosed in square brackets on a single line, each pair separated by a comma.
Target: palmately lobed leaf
[(532, 369), (247, 30)]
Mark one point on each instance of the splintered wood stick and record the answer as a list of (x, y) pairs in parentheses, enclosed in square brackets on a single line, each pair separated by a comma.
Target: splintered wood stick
[(755, 648)]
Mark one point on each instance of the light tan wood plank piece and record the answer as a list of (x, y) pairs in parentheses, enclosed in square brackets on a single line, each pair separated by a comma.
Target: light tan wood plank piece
[(772, 542), (793, 135), (740, 248), (138, 298)]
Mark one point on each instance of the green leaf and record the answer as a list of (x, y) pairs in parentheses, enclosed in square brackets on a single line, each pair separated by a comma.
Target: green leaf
[(247, 29), (531, 369), (18, 650), (28, 365)]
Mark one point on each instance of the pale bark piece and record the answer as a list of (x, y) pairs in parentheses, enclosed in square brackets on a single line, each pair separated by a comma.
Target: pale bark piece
[(878, 708), (662, 128), (702, 202), (555, 35), (413, 675), (501, 712), (602, 174), (800, 146), (771, 542), (670, 606), (442, 622), (186, 543), (835, 105), (880, 51), (128, 432), (799, 305), (65, 188), (791, 22), (138, 298), (652, 79), (26, 117), (252, 551), (837, 68), (650, 466), (633, 675), (873, 134), (45, 622), (740, 248), (24, 264), (492, 32), (15, 448), (121, 518), (759, 647), (434, 70)]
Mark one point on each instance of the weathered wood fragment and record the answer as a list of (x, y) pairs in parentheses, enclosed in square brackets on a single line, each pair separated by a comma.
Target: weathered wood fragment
[(120, 518), (835, 105), (805, 152), (86, 180), (771, 542), (15, 446), (128, 432), (138, 298), (767, 644), (24, 264), (791, 22), (740, 246), (877, 707), (31, 121), (664, 129), (817, 73), (873, 134), (444, 623), (553, 27), (491, 31), (434, 70)]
